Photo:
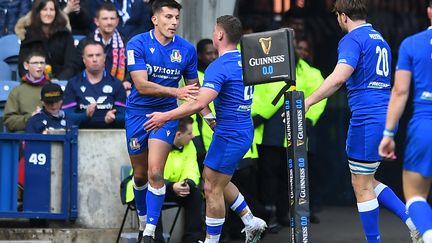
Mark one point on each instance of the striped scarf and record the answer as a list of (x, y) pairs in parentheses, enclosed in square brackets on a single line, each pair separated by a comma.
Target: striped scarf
[(118, 54)]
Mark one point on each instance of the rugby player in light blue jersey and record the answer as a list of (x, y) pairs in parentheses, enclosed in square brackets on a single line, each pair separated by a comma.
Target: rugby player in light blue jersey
[(364, 66), (157, 60), (223, 83), (415, 62)]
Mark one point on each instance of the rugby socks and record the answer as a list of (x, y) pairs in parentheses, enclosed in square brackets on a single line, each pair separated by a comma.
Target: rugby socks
[(369, 212), (389, 200), (421, 214), (238, 206), (214, 229), (155, 199), (140, 193)]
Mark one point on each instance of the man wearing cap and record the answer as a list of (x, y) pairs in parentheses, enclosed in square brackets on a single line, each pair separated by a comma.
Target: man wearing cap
[(51, 116)]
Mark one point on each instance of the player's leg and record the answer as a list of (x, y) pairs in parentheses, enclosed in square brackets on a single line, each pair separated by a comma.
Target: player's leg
[(254, 226), (416, 189), (387, 198), (367, 203), (137, 149), (214, 185), (139, 180), (157, 154)]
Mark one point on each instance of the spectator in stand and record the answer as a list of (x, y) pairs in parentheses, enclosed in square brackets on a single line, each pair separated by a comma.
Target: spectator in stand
[(47, 32), (50, 117), (135, 16), (304, 49), (10, 11), (182, 177), (107, 34), (79, 16), (24, 101), (94, 98)]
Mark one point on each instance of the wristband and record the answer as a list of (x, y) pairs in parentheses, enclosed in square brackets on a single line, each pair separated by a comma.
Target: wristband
[(389, 133), (209, 116)]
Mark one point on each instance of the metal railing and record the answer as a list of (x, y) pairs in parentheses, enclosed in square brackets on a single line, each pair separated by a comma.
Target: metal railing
[(50, 175)]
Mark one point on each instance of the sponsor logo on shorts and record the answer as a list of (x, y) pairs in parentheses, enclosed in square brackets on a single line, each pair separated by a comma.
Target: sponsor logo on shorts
[(134, 144), (168, 132)]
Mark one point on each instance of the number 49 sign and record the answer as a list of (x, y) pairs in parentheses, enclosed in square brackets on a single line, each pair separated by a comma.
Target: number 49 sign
[(37, 176)]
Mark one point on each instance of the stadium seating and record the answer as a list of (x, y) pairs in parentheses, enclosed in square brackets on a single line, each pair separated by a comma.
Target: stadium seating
[(5, 71), (10, 46), (6, 87)]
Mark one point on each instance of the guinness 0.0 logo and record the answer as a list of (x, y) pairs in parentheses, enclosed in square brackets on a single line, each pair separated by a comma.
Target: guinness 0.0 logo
[(265, 44)]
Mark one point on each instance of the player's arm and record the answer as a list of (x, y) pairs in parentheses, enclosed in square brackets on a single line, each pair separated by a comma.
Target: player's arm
[(146, 87), (331, 84), (398, 99), (204, 97), (206, 112)]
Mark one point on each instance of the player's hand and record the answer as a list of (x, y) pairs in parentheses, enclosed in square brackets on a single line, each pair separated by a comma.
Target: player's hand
[(91, 109), (157, 120), (387, 148), (110, 116), (307, 105), (181, 188), (127, 85), (187, 92)]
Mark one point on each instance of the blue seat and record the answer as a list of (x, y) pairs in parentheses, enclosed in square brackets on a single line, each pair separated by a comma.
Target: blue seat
[(6, 87), (5, 71), (9, 46), (9, 51), (62, 83), (78, 38)]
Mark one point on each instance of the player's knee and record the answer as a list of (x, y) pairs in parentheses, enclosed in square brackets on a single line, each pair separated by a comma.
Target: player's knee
[(155, 175), (211, 189), (139, 179)]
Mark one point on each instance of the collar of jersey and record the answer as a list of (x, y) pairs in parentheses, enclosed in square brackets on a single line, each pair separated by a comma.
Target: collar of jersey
[(231, 51), (153, 38), (362, 25)]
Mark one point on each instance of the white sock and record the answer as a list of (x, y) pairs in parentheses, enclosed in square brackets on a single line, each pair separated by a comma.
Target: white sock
[(427, 236), (410, 224), (212, 239), (150, 230), (248, 217), (142, 222)]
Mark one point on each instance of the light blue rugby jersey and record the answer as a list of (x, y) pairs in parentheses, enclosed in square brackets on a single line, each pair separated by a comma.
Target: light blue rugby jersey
[(165, 65), (369, 86), (415, 55), (234, 100)]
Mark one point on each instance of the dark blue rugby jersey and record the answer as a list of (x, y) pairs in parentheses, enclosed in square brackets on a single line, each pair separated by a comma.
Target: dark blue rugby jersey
[(233, 103), (43, 121), (369, 86), (415, 55), (165, 65), (107, 94)]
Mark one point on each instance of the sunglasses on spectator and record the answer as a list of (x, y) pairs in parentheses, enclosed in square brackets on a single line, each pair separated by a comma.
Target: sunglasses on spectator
[(37, 63)]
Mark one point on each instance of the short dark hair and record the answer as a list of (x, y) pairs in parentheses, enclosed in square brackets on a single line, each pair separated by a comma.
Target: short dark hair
[(108, 7), (34, 53), (159, 4), (183, 122), (232, 27), (354, 9), (88, 42), (202, 43)]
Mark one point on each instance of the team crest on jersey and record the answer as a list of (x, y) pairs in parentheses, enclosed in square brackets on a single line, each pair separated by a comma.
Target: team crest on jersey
[(107, 89), (176, 56), (134, 144), (63, 122)]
